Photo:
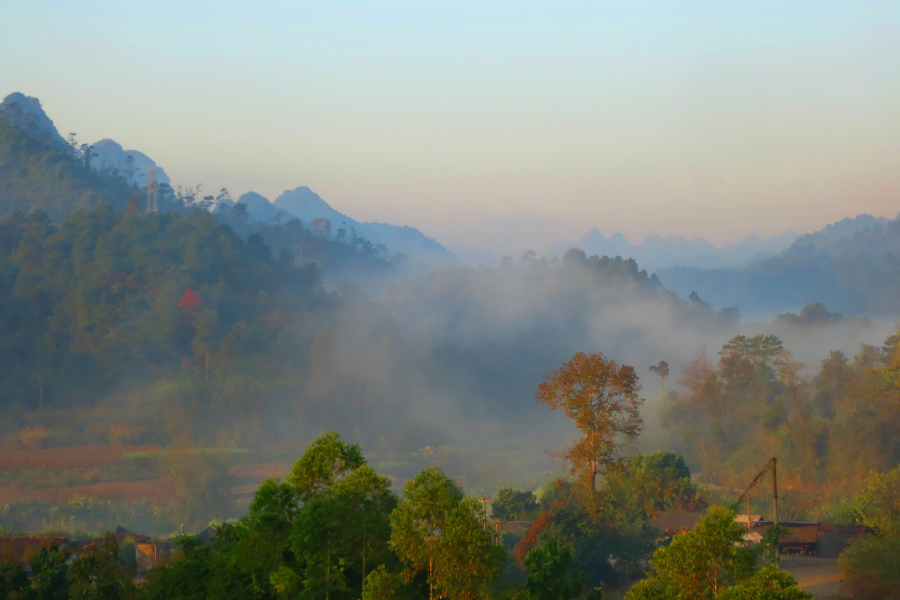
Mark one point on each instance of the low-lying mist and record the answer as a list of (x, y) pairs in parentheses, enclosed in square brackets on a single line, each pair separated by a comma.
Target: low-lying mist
[(453, 358)]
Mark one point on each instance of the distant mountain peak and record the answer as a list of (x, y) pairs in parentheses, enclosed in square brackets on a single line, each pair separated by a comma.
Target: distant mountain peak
[(307, 205), (26, 113), (110, 157)]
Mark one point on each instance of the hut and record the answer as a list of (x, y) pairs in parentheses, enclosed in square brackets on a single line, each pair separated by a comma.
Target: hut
[(152, 553)]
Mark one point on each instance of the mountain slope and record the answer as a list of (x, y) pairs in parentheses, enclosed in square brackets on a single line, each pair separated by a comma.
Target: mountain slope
[(35, 173), (306, 205), (657, 252), (852, 266), (26, 113), (111, 158)]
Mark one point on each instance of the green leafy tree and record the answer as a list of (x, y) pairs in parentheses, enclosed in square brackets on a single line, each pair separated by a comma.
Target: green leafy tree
[(655, 482), (548, 573), (48, 574), (101, 574), (513, 505), (878, 504), (872, 568), (325, 461), (711, 562), (14, 582), (188, 578), (438, 530), (382, 584)]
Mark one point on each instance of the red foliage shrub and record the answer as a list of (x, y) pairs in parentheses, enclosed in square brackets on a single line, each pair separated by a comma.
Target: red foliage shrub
[(190, 301)]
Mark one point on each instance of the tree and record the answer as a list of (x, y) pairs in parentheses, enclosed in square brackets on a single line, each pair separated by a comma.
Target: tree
[(872, 567), (133, 205), (129, 168), (548, 573), (602, 399), (878, 504), (101, 574), (324, 463), (512, 505), (711, 562), (658, 482), (437, 530), (342, 529), (48, 574), (662, 371), (88, 152), (190, 301), (13, 578)]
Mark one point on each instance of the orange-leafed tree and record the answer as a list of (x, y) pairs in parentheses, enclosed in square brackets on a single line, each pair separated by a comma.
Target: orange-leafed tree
[(190, 301), (602, 398)]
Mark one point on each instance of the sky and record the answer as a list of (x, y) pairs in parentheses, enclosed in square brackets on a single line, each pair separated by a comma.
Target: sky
[(492, 125)]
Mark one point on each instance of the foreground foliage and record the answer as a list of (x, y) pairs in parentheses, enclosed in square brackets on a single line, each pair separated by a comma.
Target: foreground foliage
[(711, 562)]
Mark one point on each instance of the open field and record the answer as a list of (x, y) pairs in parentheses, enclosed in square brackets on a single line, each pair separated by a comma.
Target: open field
[(63, 459), (117, 491)]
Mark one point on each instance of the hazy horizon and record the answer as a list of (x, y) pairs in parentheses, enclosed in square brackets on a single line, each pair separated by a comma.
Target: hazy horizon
[(495, 126)]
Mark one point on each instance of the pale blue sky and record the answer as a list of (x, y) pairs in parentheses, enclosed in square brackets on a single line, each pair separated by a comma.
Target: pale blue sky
[(495, 125)]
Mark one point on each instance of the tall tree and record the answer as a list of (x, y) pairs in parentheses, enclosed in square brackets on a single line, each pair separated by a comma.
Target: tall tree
[(436, 529), (601, 397), (324, 463), (662, 371)]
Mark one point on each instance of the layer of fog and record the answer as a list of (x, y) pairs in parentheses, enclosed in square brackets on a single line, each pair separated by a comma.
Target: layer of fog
[(453, 359)]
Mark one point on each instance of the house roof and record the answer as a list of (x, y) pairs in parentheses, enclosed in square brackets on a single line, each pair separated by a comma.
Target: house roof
[(743, 518), (675, 521), (24, 548), (123, 534)]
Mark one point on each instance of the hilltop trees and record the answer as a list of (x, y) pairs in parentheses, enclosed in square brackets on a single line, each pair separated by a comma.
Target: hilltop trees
[(102, 296), (756, 401)]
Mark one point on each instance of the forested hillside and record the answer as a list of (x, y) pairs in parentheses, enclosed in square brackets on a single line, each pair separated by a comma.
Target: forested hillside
[(43, 175), (105, 300), (856, 273)]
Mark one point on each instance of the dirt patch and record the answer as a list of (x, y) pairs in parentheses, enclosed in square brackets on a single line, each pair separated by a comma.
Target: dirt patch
[(818, 576)]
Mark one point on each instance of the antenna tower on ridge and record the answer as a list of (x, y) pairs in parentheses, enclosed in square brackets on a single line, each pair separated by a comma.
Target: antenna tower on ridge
[(152, 204)]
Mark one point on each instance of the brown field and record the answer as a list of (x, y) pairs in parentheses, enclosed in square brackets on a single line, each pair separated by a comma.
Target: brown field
[(100, 491), (65, 459), (283, 447), (262, 470)]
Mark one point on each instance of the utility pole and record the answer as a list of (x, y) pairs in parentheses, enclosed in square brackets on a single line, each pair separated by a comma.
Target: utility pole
[(775, 487), (773, 466), (485, 501), (748, 513)]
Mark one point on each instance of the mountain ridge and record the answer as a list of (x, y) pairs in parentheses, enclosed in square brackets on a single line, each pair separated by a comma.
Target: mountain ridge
[(656, 252)]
